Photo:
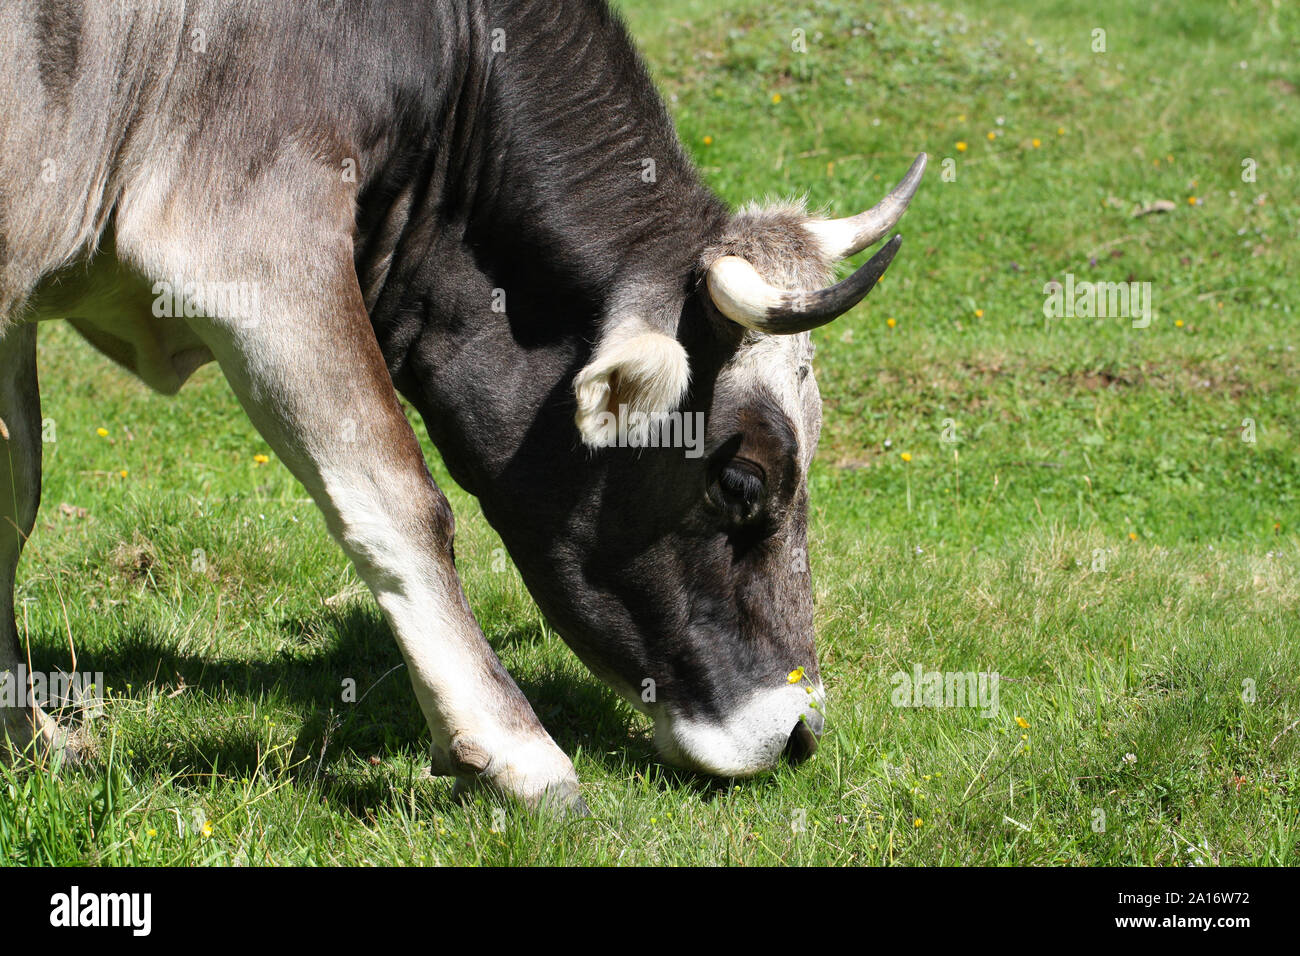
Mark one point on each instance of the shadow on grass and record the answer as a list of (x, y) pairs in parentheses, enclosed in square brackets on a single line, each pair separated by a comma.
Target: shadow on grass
[(308, 674)]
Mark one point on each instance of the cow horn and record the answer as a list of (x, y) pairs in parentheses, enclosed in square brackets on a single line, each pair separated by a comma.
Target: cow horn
[(841, 238), (745, 297)]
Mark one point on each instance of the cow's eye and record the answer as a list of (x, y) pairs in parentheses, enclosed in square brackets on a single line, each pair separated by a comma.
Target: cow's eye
[(738, 491)]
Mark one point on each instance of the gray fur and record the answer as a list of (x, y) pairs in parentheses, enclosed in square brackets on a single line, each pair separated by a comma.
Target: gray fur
[(482, 176)]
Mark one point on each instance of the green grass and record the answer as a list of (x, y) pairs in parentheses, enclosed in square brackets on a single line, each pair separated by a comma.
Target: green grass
[(1099, 534)]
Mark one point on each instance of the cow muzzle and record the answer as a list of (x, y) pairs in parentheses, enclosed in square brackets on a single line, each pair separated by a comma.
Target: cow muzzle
[(803, 739), (750, 738)]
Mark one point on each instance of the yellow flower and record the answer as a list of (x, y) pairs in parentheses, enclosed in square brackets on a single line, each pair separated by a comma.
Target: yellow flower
[(961, 118), (918, 822), (207, 829), (979, 313), (992, 135), (1192, 201), (1022, 723), (1060, 131), (776, 97), (123, 472), (708, 141), (1037, 143), (907, 456), (1024, 736), (795, 676), (101, 432), (890, 322), (261, 459), (1178, 323), (1132, 535), (151, 832), (961, 146)]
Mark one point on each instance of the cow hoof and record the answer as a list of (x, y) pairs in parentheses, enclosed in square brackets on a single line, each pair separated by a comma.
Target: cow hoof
[(476, 770), (561, 800), (33, 735), (564, 801)]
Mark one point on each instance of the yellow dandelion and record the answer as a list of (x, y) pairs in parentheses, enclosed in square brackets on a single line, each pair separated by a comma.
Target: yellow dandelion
[(1022, 723), (961, 117), (261, 459), (1024, 736), (708, 141), (1192, 201), (1132, 535), (1037, 143), (979, 313), (1060, 131), (795, 676), (776, 97), (123, 472), (907, 456), (151, 832), (891, 322), (101, 432), (207, 829), (961, 146), (991, 135), (1178, 323), (918, 822)]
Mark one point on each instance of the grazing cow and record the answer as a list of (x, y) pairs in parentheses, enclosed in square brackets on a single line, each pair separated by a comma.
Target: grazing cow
[(482, 205)]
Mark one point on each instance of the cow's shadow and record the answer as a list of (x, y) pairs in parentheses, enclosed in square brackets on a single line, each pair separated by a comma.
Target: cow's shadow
[(349, 649)]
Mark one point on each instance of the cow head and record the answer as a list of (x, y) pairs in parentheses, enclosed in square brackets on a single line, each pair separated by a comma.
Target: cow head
[(680, 574)]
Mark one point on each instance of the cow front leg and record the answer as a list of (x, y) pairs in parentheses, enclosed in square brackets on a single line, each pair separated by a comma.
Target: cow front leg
[(24, 727), (309, 372)]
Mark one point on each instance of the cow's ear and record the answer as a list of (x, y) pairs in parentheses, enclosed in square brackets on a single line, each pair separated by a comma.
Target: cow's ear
[(635, 369)]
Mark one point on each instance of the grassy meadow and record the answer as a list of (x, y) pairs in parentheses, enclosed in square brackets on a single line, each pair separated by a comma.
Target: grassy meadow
[(1107, 516)]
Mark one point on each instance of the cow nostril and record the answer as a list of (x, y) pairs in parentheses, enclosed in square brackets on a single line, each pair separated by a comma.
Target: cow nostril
[(802, 743)]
